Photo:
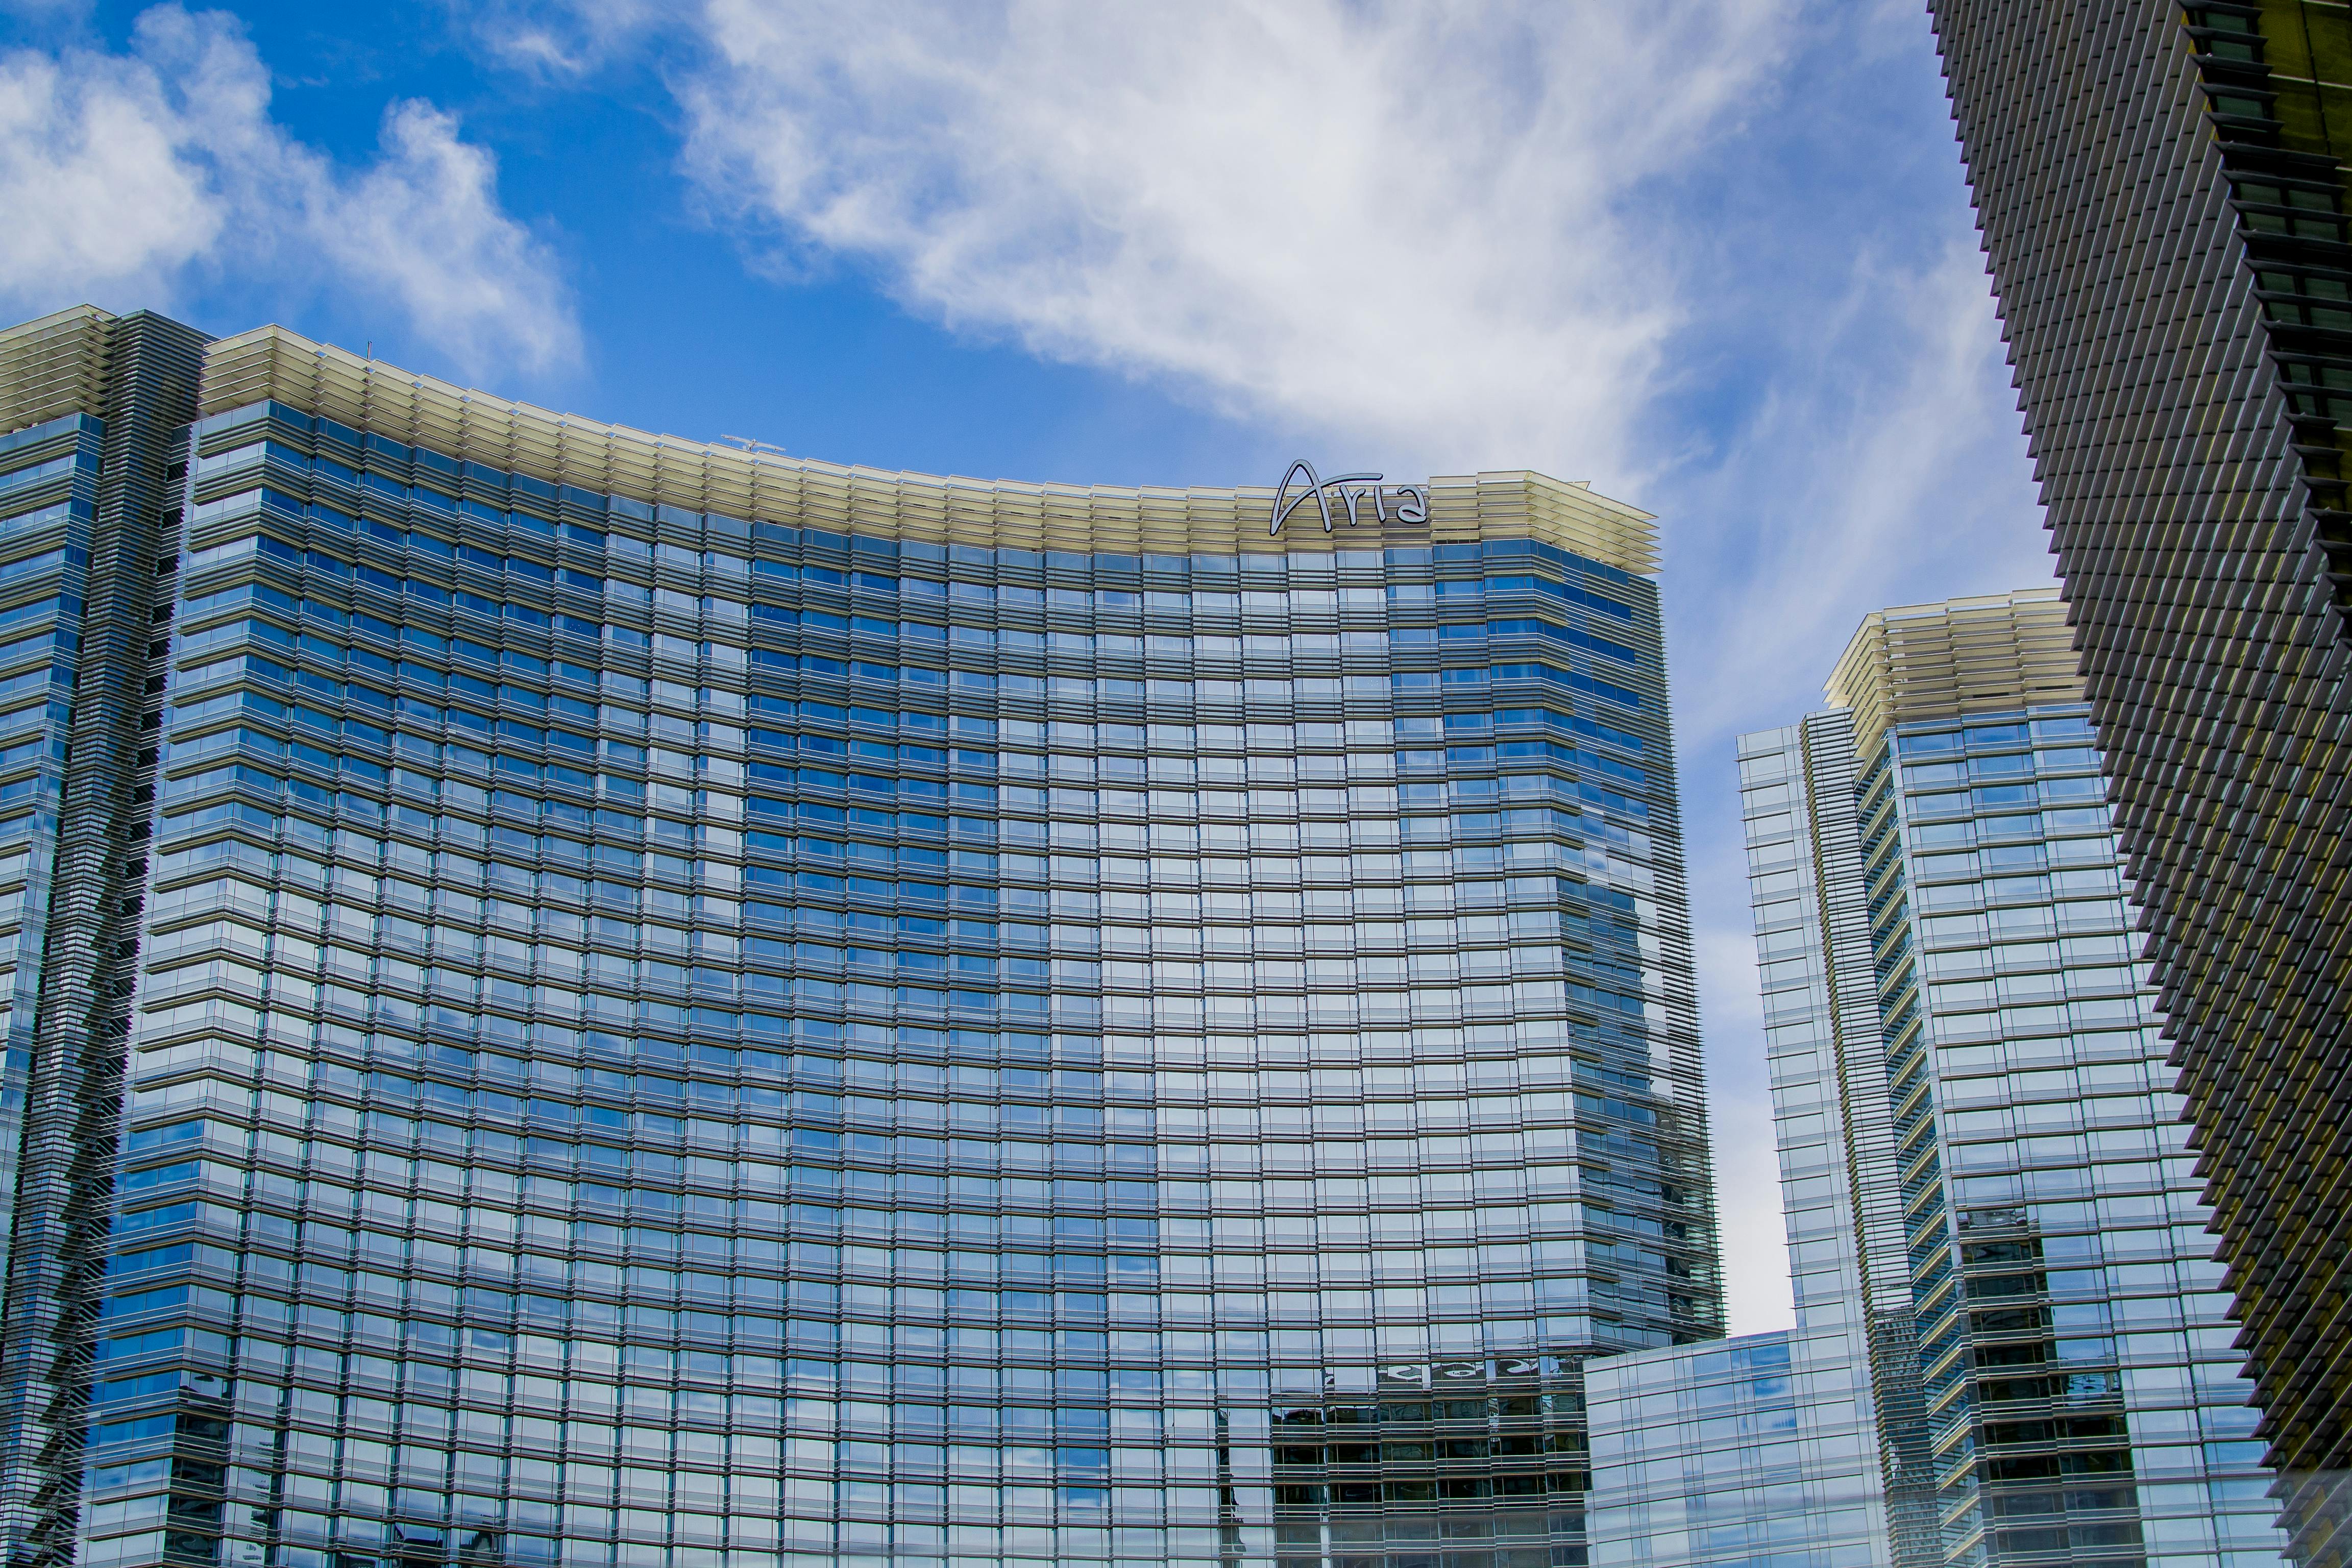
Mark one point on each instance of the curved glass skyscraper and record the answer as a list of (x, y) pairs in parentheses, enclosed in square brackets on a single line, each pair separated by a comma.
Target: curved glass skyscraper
[(681, 1006)]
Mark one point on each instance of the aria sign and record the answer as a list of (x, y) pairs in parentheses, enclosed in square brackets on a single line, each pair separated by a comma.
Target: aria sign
[(1351, 491)]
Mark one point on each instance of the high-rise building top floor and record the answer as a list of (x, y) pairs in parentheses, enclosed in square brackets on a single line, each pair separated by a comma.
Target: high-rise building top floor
[(1993, 653), (601, 465), (664, 1001)]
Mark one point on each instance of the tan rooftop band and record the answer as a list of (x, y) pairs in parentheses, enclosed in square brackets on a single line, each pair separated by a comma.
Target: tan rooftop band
[(1993, 654), (769, 487), (53, 367)]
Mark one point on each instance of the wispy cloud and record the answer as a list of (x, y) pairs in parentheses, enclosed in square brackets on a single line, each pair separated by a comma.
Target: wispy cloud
[(556, 42), (1883, 463), (424, 223), (1408, 226), (128, 176)]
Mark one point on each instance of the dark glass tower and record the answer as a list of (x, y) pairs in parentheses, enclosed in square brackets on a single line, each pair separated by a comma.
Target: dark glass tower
[(2162, 195), (620, 1002)]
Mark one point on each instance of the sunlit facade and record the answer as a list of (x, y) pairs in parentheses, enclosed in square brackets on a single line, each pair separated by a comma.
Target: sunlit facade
[(693, 1006), (1947, 949)]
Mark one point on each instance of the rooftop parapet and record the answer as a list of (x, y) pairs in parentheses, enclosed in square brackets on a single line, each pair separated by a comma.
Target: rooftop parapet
[(1993, 654), (272, 364), (54, 367)]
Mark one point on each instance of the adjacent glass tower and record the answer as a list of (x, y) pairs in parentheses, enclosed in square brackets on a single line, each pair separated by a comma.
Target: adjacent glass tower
[(1952, 1003), (1807, 1448), (93, 409), (2164, 197), (697, 1007)]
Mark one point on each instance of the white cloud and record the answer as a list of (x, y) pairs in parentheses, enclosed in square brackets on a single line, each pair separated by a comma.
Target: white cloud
[(129, 176), (559, 41), (1759, 1294), (425, 223), (99, 161), (1886, 467), (1747, 1161), (1405, 223)]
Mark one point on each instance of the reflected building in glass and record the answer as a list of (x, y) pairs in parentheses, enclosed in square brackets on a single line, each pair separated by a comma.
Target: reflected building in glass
[(1959, 1028), (1741, 1452), (659, 1004)]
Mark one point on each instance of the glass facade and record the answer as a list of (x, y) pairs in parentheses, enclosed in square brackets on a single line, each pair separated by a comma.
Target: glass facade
[(2081, 1399), (1849, 1269), (1741, 1454), (48, 492), (2163, 195), (793, 1035), (92, 408)]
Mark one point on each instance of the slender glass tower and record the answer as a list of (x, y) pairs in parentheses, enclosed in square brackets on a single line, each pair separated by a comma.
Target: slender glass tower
[(93, 410), (680, 1005), (1953, 1011)]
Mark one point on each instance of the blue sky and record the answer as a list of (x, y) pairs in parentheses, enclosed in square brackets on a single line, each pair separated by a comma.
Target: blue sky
[(1714, 256)]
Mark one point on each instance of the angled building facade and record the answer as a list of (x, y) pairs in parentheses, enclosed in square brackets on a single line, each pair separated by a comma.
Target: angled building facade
[(2162, 193), (1955, 1020), (668, 1005)]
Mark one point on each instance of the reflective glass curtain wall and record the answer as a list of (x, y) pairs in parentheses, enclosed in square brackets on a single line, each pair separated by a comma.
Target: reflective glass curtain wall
[(1809, 1446), (660, 1035), (2080, 1398), (92, 411), (1850, 1271), (1730, 1455)]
